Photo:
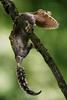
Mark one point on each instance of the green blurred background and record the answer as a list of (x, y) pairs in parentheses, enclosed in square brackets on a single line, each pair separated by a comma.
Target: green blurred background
[(37, 71)]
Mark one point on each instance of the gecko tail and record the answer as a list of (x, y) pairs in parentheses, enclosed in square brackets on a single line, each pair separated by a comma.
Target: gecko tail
[(23, 82)]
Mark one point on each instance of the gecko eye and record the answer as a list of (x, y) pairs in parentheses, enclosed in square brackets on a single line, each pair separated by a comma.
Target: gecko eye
[(28, 27), (26, 22)]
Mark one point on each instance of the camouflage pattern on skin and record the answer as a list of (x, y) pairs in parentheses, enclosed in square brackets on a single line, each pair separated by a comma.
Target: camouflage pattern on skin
[(19, 42)]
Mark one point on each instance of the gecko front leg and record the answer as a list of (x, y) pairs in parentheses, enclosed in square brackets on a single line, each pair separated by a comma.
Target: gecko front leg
[(21, 49)]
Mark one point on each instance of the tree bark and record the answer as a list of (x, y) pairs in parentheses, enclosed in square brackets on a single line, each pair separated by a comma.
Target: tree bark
[(13, 12)]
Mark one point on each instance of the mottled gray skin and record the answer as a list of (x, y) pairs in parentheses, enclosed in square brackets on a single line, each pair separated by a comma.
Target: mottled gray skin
[(19, 38)]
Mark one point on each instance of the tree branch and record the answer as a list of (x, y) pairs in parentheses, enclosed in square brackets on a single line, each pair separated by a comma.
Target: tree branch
[(12, 11), (10, 8), (49, 60)]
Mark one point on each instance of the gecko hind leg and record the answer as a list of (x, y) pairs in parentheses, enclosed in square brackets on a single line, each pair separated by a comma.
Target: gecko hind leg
[(23, 83), (21, 74)]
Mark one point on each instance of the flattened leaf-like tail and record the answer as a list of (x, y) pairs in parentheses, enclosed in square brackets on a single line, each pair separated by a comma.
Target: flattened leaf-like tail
[(23, 82), (45, 19)]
